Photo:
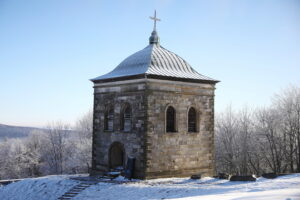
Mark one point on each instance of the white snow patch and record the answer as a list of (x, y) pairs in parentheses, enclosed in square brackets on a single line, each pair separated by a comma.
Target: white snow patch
[(282, 188), (44, 188), (52, 187)]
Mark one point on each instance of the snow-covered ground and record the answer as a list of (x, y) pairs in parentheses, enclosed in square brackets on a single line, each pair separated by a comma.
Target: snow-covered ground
[(52, 187)]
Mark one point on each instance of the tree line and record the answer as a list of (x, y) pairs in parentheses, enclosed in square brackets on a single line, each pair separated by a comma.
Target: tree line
[(262, 140), (247, 141), (57, 149)]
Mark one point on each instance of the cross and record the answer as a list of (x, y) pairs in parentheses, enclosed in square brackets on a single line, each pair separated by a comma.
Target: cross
[(154, 19)]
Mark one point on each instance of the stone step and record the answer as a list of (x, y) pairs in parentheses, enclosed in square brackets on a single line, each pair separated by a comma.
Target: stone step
[(76, 190), (69, 195), (81, 187), (86, 185), (72, 193)]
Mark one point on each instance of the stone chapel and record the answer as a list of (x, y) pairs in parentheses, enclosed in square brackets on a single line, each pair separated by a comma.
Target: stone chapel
[(156, 108)]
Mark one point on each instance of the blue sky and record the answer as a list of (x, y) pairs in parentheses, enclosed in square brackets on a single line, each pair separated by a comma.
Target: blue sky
[(50, 49)]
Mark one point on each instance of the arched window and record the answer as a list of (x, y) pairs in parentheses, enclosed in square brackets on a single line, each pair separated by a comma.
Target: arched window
[(171, 119), (126, 119), (192, 120), (109, 119)]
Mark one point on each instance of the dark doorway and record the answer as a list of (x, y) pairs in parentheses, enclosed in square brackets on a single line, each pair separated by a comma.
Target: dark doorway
[(116, 156)]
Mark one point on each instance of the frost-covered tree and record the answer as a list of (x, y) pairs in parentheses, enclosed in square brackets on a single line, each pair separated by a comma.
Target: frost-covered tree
[(272, 150), (16, 160), (287, 103), (83, 143), (35, 146), (245, 139), (5, 159), (57, 149), (226, 141), (265, 140)]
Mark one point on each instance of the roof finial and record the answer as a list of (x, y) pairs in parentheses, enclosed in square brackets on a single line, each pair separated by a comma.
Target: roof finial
[(154, 39)]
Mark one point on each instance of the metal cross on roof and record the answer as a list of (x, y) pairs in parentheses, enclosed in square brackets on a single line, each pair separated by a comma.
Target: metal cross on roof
[(154, 19)]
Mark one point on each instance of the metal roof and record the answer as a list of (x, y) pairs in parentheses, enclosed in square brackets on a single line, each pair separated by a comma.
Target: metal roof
[(154, 60)]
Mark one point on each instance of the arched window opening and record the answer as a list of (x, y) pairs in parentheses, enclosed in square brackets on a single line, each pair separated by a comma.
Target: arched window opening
[(171, 118), (126, 119), (109, 119), (192, 120)]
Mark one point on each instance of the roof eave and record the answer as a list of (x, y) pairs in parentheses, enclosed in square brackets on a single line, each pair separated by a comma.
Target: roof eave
[(171, 78), (120, 78), (138, 76)]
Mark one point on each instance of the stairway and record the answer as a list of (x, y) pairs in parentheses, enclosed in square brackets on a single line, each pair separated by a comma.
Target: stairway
[(86, 182), (77, 189)]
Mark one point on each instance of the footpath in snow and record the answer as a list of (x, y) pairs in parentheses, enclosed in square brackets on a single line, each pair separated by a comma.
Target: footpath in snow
[(51, 187)]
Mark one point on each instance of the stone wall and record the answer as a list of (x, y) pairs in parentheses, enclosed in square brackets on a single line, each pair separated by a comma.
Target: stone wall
[(133, 141), (180, 153), (157, 153)]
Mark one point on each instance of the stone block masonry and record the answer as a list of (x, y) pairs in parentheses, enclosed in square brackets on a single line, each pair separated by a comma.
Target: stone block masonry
[(158, 153)]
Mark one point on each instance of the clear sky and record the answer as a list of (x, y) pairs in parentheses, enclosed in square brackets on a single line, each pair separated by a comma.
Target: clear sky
[(50, 49)]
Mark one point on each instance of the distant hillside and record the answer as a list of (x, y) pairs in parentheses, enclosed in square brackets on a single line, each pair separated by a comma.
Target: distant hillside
[(7, 131)]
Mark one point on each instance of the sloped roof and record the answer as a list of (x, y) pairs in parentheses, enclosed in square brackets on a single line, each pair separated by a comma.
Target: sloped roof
[(154, 61)]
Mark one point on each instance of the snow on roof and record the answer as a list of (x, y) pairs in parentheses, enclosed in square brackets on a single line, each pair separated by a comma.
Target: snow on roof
[(154, 60)]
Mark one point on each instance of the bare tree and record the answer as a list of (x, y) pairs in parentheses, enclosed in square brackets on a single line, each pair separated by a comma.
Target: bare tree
[(288, 104), (35, 145), (245, 133), (84, 129), (56, 150), (5, 159), (57, 153), (226, 140), (268, 126), (234, 140)]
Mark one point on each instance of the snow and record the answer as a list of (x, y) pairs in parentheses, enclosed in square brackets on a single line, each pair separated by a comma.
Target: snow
[(44, 188), (154, 60), (51, 187)]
